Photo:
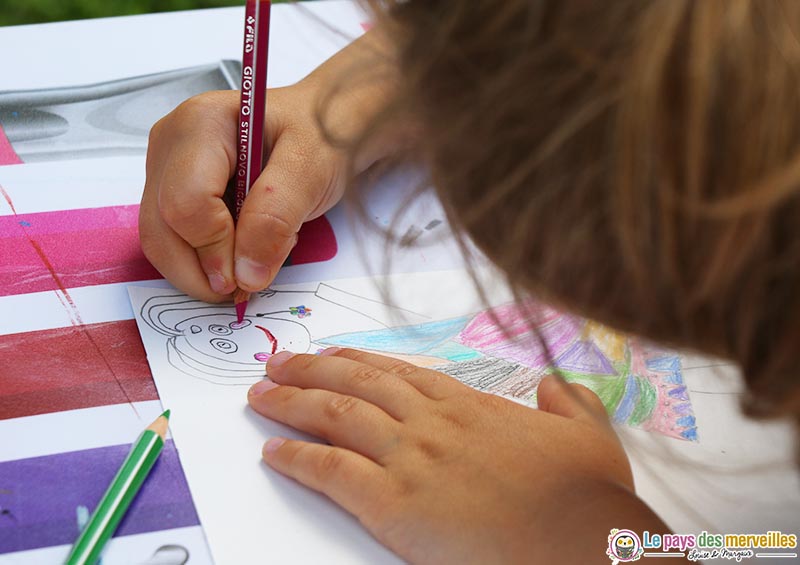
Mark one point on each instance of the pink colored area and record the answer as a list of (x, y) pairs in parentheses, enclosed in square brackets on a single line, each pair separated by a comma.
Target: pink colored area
[(93, 246), (513, 339), (81, 247), (7, 154)]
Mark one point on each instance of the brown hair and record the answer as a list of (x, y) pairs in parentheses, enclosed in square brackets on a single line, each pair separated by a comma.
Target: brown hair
[(637, 161)]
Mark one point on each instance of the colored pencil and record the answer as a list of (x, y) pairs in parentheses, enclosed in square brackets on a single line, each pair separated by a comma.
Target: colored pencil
[(120, 493), (252, 111)]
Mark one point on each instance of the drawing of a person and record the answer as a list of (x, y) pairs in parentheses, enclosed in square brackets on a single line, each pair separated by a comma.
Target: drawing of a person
[(205, 340)]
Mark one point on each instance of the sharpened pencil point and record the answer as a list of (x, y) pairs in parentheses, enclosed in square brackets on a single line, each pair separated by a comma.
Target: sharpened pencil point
[(166, 414), (240, 309)]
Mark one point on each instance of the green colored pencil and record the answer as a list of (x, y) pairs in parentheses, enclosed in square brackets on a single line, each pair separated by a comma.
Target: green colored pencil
[(120, 493)]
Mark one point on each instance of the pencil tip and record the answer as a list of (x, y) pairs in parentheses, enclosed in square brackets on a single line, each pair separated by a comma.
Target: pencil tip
[(166, 414), (240, 309)]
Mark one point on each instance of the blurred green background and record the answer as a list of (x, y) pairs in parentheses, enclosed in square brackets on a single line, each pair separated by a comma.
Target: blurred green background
[(13, 12)]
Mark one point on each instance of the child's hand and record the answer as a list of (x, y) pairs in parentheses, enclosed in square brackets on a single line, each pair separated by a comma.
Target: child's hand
[(441, 473), (185, 228)]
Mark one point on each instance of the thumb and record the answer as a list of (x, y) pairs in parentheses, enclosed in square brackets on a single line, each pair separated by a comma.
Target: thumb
[(573, 401), (299, 183)]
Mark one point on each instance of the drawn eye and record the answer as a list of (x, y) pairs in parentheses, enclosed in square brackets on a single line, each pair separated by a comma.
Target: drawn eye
[(224, 345), (218, 329), (238, 326), (195, 329)]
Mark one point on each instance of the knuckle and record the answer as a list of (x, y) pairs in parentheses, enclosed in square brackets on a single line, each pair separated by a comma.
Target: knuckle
[(429, 448), (216, 230), (364, 376), (194, 106), (401, 368), (328, 465), (178, 206), (269, 224), (340, 406), (488, 401)]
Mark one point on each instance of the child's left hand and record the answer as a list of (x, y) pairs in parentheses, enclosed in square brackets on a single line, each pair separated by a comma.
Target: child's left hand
[(439, 472)]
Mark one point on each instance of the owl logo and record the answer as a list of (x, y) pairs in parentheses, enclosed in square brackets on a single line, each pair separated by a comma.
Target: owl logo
[(624, 546)]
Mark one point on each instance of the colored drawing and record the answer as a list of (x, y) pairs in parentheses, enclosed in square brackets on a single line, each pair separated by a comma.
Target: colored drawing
[(640, 385), (205, 341), (494, 351)]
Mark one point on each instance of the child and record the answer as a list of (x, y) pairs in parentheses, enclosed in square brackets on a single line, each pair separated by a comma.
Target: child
[(635, 161)]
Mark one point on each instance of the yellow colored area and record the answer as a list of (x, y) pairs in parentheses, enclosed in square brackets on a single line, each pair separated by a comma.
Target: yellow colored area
[(611, 343)]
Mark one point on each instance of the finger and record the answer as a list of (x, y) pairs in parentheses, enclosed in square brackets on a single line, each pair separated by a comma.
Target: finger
[(345, 421), (175, 259), (570, 400), (295, 187), (386, 390), (350, 480), (430, 383), (199, 161)]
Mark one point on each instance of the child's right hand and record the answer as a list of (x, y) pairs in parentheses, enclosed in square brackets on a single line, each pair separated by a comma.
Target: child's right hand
[(186, 230)]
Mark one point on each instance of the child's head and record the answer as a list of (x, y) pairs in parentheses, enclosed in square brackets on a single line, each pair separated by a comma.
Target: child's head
[(637, 161)]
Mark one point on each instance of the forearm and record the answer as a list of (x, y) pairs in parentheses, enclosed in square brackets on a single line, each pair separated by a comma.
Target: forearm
[(355, 87)]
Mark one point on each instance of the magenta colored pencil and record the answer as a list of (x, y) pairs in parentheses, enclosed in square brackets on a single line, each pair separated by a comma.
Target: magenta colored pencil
[(252, 112)]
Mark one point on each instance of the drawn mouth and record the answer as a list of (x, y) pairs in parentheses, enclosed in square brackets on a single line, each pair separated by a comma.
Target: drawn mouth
[(271, 339)]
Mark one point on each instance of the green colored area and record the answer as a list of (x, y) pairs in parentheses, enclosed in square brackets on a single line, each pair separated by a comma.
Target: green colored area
[(14, 12), (646, 403), (609, 389)]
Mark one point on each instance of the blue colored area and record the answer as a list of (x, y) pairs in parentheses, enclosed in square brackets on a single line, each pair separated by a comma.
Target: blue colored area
[(628, 402), (25, 224), (420, 339), (670, 364), (454, 352), (690, 434), (686, 422)]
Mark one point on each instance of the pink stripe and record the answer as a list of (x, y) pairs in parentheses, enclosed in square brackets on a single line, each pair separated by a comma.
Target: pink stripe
[(68, 221), (7, 154), (83, 248)]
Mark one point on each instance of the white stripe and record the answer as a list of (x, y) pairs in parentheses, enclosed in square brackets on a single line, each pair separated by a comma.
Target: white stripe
[(43, 310), (74, 430), (142, 549)]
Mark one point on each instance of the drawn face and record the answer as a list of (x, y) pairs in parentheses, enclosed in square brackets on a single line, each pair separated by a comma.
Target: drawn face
[(253, 341)]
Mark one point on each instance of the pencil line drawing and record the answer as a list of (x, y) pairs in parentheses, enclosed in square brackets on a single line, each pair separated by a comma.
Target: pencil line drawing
[(492, 350)]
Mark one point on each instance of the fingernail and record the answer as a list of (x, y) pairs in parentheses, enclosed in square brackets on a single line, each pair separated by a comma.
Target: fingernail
[(279, 359), (329, 351), (261, 387), (250, 274), (273, 444), (217, 282)]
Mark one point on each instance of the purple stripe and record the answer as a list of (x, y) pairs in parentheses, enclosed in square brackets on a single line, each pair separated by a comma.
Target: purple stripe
[(39, 497)]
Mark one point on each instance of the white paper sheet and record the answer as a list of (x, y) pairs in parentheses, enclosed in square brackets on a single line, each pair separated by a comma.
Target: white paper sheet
[(201, 361)]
